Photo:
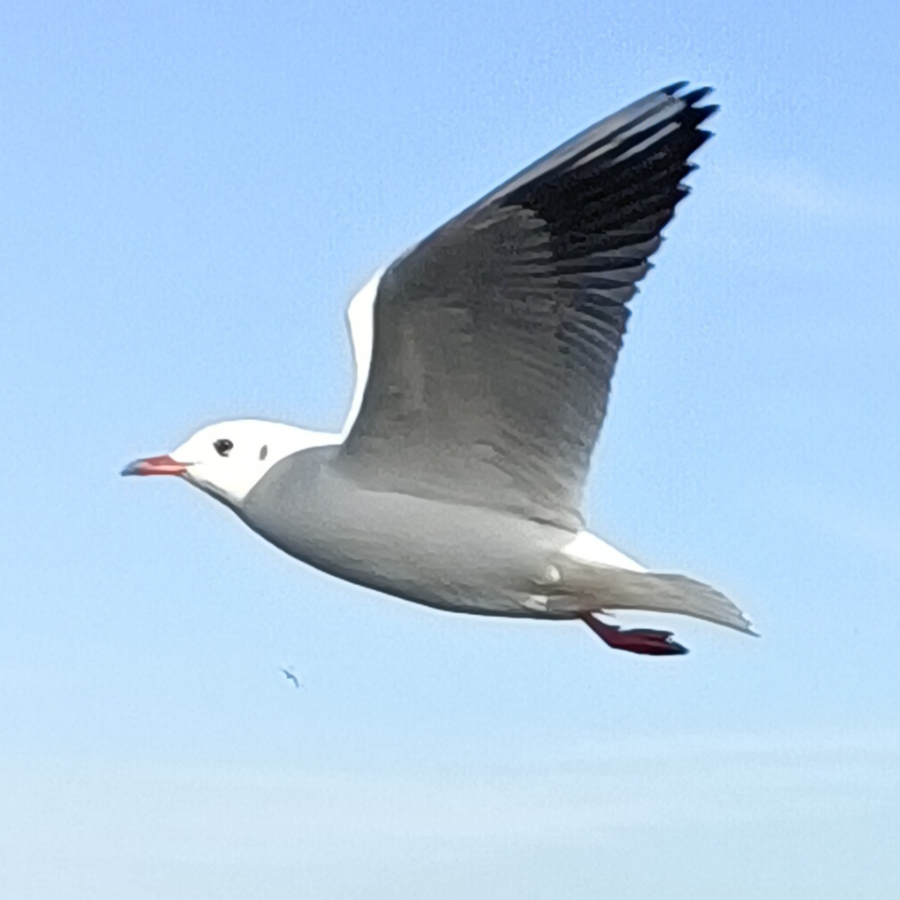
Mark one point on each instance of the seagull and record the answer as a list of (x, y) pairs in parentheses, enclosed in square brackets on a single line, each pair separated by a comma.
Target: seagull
[(484, 356), (290, 676)]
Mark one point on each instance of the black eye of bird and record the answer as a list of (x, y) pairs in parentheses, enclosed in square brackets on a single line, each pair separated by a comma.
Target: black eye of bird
[(223, 446)]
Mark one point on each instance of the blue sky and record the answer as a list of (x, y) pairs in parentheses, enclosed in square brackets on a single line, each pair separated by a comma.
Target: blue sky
[(190, 197)]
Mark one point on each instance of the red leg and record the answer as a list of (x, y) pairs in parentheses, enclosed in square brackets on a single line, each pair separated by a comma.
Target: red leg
[(637, 640)]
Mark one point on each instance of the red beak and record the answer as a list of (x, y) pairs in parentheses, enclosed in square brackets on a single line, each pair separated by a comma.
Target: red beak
[(155, 465)]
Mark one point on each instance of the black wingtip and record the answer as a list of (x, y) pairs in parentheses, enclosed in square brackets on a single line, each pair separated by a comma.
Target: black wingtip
[(702, 113), (697, 95), (692, 97), (673, 89)]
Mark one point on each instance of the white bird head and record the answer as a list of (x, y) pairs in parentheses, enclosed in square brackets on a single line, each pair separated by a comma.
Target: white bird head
[(228, 459)]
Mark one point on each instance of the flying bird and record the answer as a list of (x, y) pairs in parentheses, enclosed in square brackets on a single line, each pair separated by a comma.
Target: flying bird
[(291, 677), (484, 356)]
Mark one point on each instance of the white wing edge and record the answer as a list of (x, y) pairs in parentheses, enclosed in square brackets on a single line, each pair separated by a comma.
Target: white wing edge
[(361, 325)]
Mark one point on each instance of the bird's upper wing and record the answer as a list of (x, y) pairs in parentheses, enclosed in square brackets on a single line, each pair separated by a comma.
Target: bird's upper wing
[(495, 338)]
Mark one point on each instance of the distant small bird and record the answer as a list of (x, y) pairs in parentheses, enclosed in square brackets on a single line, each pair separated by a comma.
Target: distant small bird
[(484, 358), (291, 677)]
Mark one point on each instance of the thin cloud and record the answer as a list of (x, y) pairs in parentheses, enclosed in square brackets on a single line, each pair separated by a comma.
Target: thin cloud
[(590, 794), (792, 187)]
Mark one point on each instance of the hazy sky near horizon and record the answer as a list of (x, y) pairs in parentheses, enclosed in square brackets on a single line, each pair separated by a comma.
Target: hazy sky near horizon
[(191, 195)]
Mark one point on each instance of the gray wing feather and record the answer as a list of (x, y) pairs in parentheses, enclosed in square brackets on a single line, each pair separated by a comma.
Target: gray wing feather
[(496, 337)]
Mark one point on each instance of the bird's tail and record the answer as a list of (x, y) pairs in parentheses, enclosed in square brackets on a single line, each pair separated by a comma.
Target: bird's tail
[(589, 585)]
